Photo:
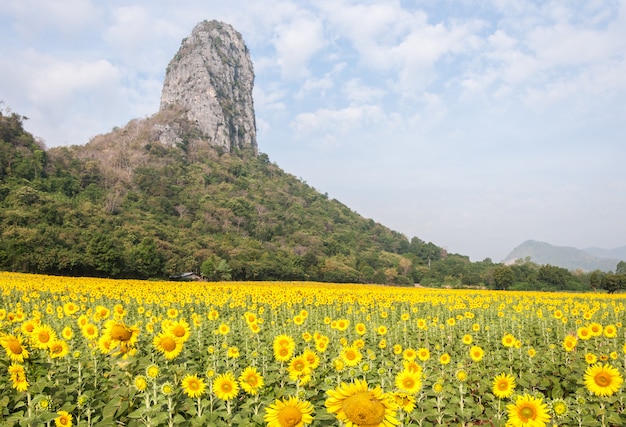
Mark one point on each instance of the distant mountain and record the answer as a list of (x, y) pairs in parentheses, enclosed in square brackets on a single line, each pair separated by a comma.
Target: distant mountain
[(618, 253), (562, 256)]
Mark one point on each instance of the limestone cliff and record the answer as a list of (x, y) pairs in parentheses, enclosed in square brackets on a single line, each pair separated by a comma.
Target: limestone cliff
[(211, 78)]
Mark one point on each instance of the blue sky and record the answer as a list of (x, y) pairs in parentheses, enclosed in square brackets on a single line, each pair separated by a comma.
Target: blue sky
[(476, 125)]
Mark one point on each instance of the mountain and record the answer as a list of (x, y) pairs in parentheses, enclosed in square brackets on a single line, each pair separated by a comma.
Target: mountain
[(186, 190), (560, 256), (211, 79), (617, 253)]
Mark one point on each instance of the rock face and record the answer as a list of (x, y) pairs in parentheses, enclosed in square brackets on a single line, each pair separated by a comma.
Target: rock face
[(211, 78)]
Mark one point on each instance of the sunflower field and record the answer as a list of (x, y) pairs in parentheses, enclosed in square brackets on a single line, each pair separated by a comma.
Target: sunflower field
[(97, 352)]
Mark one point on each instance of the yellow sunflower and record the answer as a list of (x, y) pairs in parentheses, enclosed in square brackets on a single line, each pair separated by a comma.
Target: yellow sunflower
[(251, 380), (477, 353), (14, 347), (312, 358), (42, 336), (405, 401), (583, 333), (18, 377), (225, 387), (64, 419), (503, 386), (168, 345), (351, 356), (59, 349), (180, 329), (193, 386), (528, 411), (298, 368), (290, 412), (423, 354), (603, 380), (120, 333), (409, 381), (356, 405), (90, 331)]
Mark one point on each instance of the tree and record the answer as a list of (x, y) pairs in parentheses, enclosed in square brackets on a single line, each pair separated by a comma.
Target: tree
[(614, 282), (503, 277), (621, 268)]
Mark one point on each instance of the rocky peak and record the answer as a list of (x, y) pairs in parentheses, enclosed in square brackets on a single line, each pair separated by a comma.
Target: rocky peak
[(211, 78)]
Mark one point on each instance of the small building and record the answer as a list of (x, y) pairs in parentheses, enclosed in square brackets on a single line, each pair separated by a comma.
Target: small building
[(186, 277)]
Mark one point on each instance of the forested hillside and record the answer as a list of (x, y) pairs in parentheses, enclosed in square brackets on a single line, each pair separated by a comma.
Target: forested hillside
[(132, 204)]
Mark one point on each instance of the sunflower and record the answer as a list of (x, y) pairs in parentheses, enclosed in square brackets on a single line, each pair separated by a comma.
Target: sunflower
[(193, 386), (251, 380), (225, 387), (444, 359), (596, 329), (569, 343), (119, 333), (351, 356), (467, 339), (14, 347), (356, 405), (477, 353), (140, 383), (42, 336), (559, 407), (59, 349), (423, 354), (18, 377), (409, 354), (64, 419), (298, 368), (360, 328), (590, 358), (408, 381), (503, 386), (180, 329), (610, 331), (90, 331), (583, 333), (508, 340), (312, 358), (405, 401), (168, 345), (152, 371), (528, 411), (603, 380), (67, 333), (290, 412)]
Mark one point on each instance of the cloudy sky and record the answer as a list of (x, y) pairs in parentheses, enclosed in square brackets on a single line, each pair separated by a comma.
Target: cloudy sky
[(473, 124)]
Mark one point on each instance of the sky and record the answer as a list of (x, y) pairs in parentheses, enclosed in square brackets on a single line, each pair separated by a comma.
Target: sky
[(472, 124)]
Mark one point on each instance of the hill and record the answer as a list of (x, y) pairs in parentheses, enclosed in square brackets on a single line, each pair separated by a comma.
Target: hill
[(560, 256), (186, 190)]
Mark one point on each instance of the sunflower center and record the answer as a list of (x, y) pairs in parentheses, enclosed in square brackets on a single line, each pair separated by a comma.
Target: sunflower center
[(252, 381), (193, 385), (364, 409), (120, 333), (168, 344), (179, 331), (527, 413), (289, 416), (408, 383), (15, 347), (43, 337), (226, 387), (602, 379), (503, 385)]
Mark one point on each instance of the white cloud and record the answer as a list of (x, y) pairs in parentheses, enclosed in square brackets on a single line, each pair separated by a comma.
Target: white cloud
[(359, 93), (296, 42), (336, 122), (62, 16)]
